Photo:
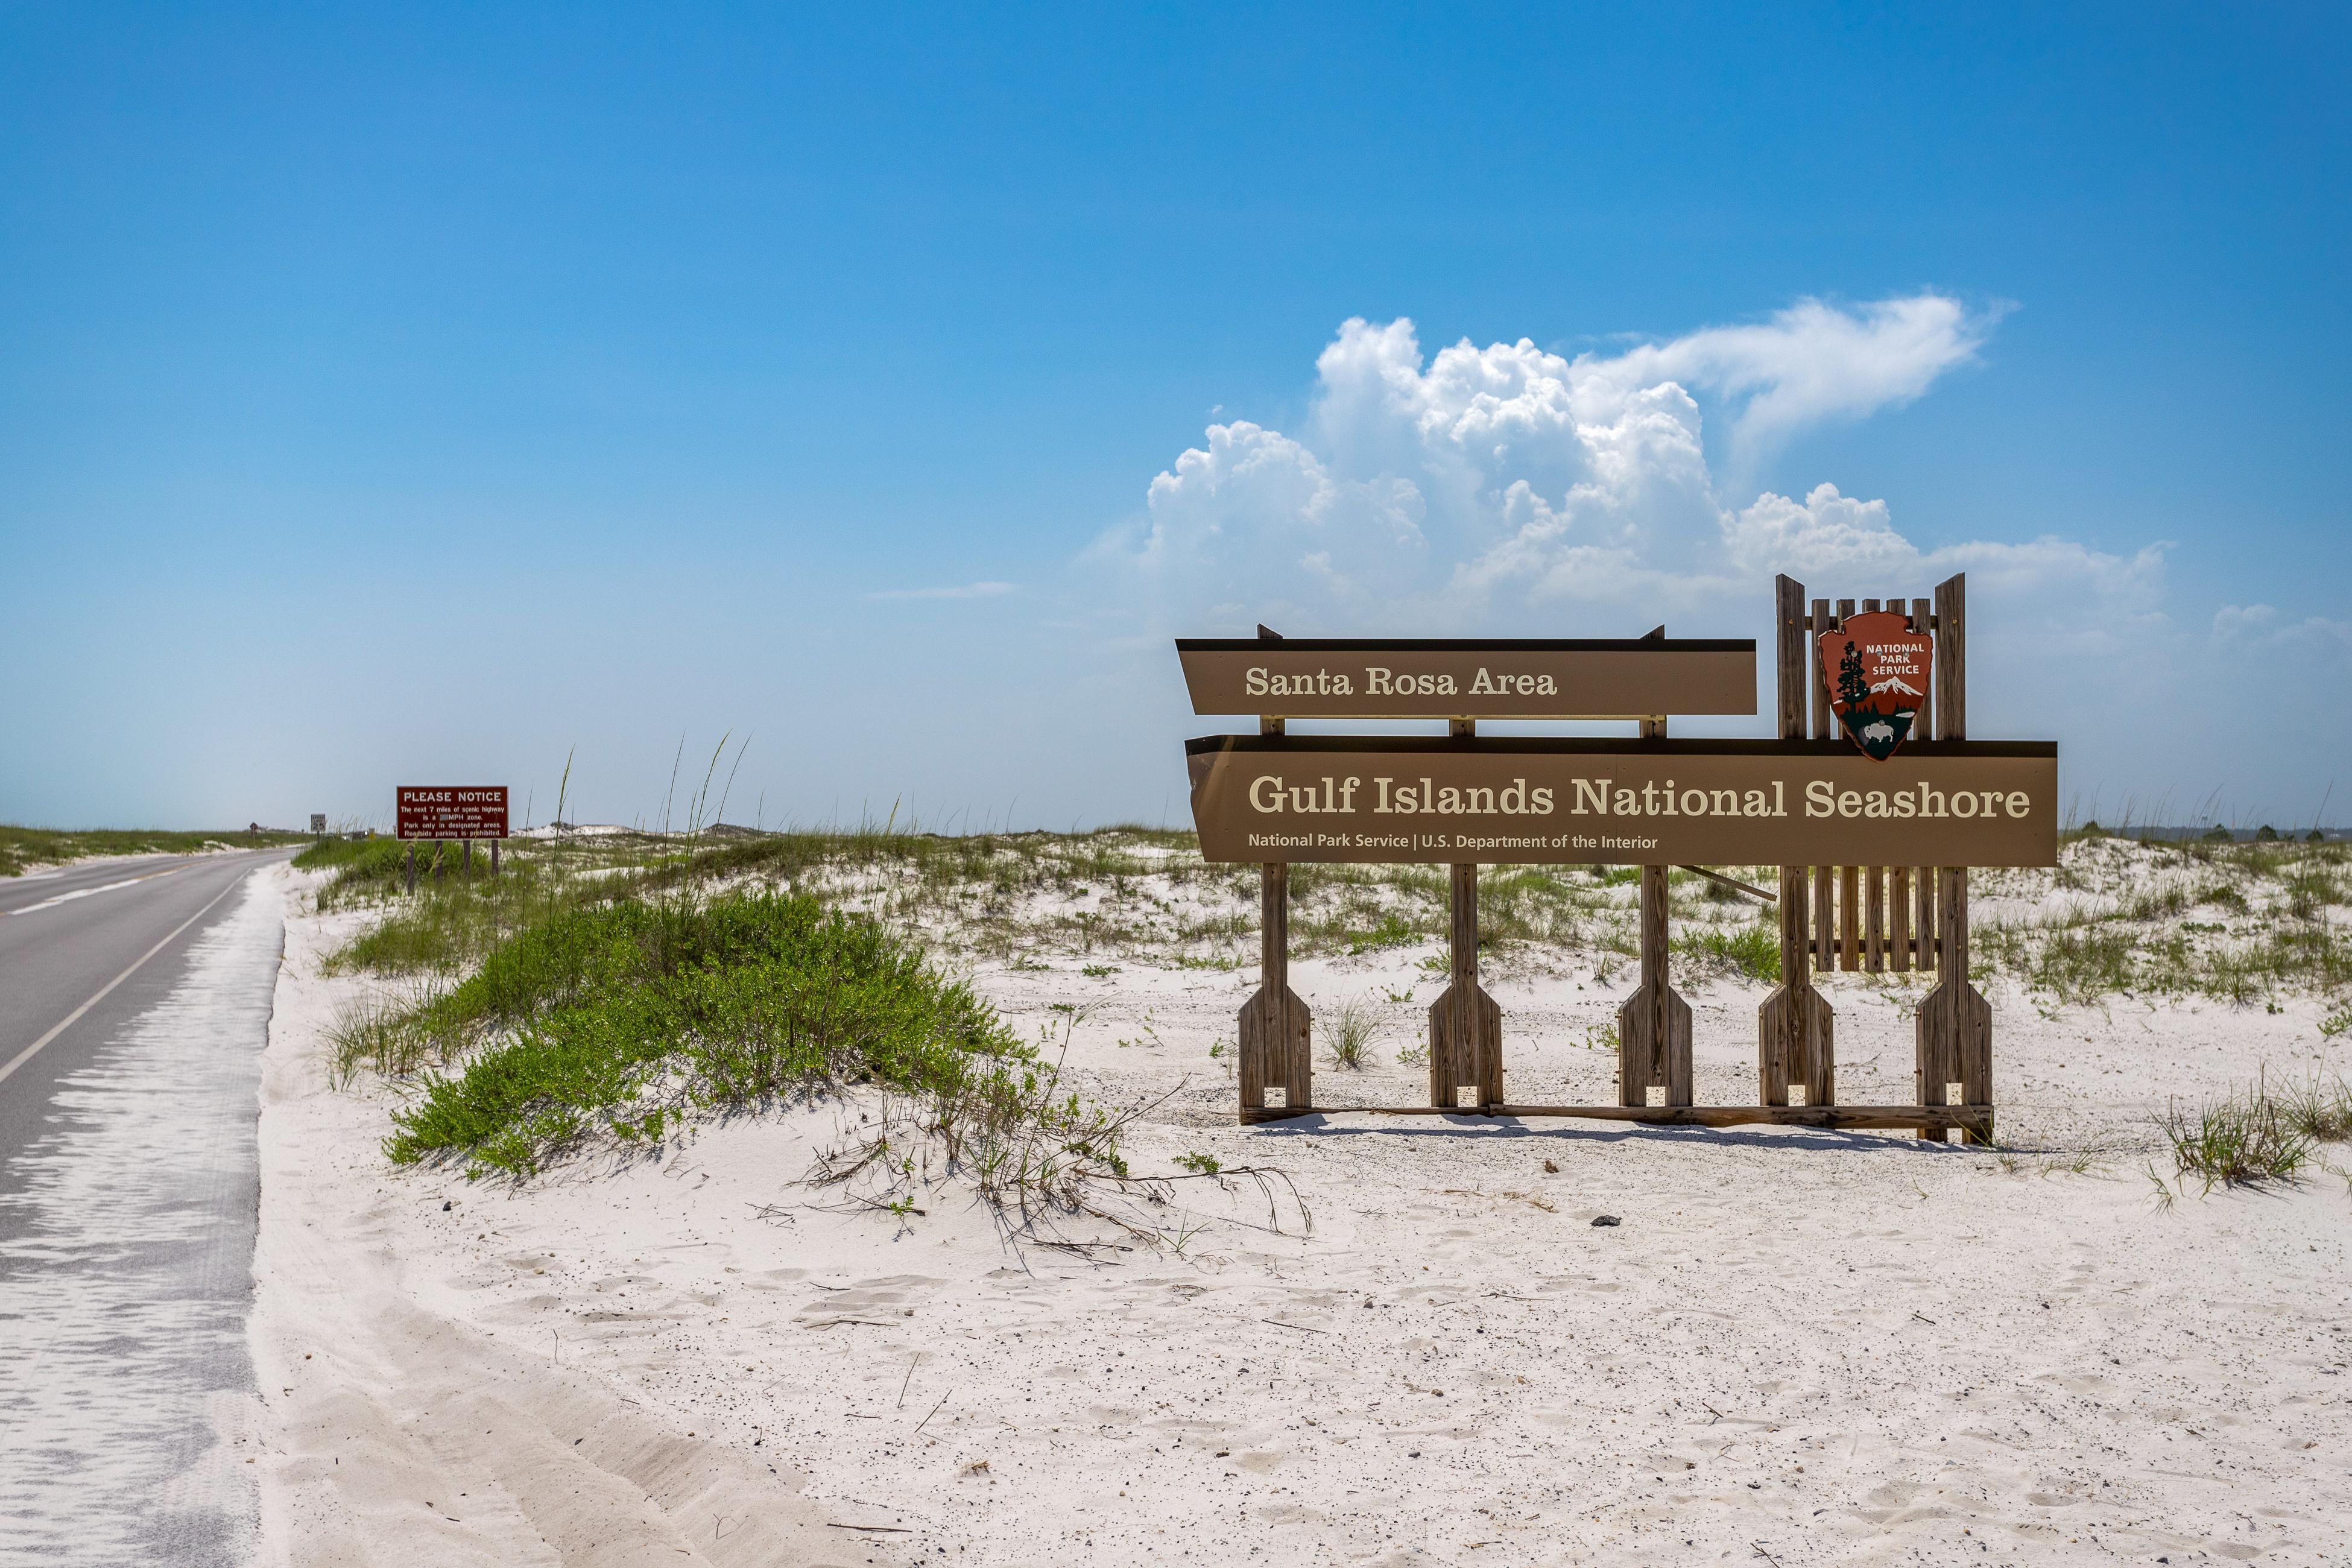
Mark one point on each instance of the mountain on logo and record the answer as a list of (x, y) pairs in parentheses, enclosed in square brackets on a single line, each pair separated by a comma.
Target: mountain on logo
[(1895, 683)]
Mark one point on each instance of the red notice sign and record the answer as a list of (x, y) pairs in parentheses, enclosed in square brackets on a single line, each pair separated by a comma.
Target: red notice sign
[(456, 812)]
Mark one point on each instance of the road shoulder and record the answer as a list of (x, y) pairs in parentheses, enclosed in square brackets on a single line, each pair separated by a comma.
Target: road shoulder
[(396, 1432)]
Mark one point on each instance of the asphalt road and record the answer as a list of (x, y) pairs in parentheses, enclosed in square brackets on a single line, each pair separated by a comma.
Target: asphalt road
[(134, 1005)]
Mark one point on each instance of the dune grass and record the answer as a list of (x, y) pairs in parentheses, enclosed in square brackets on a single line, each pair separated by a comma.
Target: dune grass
[(617, 1021), (2239, 923), (1749, 952), (1351, 1029), (609, 985), (23, 849), (2246, 1139)]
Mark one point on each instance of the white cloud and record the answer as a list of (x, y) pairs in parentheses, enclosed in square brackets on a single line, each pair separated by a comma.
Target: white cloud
[(2262, 629), (1509, 482), (966, 591), (1813, 363)]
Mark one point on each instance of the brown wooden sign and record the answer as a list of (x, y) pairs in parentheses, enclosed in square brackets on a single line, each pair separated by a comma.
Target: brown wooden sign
[(1324, 677), (1442, 801), (476, 811)]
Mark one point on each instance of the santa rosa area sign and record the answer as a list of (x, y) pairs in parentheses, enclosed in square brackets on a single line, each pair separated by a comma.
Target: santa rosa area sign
[(1651, 802), (1592, 678), (475, 811)]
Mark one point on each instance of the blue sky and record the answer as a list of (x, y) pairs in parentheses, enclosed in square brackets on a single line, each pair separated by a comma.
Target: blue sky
[(420, 395)]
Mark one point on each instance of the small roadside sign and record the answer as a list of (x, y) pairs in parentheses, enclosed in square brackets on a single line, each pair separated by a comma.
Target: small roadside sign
[(462, 812), (443, 812)]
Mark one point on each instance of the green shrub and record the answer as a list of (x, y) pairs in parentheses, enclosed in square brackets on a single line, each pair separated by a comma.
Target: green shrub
[(618, 1020)]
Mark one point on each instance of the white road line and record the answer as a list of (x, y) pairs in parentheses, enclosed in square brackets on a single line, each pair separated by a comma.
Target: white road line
[(86, 892), (26, 1054)]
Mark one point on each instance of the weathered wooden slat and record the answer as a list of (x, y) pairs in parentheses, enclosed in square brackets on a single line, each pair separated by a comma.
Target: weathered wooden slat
[(1898, 919), (1849, 917), (1873, 917), (1923, 932)]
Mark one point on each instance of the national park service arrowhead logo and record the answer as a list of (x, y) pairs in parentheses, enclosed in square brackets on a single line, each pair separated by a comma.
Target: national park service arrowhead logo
[(1877, 667)]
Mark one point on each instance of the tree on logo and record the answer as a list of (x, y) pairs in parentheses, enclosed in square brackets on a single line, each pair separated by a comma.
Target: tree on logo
[(1852, 688)]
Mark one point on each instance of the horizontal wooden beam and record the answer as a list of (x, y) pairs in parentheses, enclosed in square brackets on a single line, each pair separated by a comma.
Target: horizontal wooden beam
[(1976, 1118), (1750, 888)]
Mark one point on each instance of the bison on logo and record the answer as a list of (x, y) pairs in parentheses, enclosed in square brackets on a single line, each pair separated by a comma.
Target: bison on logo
[(1877, 667)]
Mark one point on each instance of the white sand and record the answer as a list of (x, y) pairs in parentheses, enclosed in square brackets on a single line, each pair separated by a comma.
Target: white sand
[(1817, 1348)]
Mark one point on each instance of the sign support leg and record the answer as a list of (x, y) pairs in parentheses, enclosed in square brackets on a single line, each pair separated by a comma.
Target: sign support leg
[(466, 868), (494, 856), (1275, 1025), (1653, 1026), (1276, 1043), (1955, 1023), (1465, 1025), (412, 868)]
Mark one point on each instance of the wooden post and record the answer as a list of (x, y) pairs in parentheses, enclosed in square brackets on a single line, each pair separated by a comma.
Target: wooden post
[(466, 868), (1653, 1026), (1465, 1025), (1898, 877), (1824, 728), (1923, 925), (412, 868), (1849, 922), (1274, 1043), (494, 856), (1955, 1023), (1795, 1024), (1874, 891), (439, 845)]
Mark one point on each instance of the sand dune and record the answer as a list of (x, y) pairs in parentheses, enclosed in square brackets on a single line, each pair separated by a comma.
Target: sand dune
[(1796, 1347)]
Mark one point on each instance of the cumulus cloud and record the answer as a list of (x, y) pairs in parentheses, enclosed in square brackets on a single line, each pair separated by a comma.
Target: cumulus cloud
[(1511, 484)]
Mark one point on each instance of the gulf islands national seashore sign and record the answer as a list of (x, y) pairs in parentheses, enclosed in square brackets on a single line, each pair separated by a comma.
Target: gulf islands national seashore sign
[(1440, 800), (1274, 798)]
